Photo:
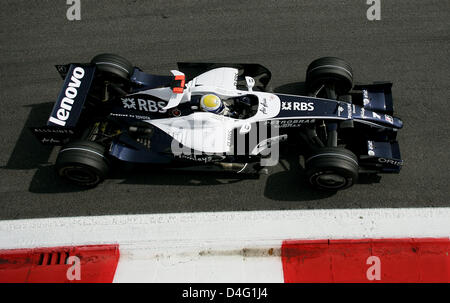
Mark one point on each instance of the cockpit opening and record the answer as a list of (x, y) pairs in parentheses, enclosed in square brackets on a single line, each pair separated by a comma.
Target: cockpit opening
[(241, 107)]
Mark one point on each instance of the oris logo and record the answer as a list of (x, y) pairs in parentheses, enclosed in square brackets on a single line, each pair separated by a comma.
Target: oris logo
[(390, 161), (63, 113), (301, 106)]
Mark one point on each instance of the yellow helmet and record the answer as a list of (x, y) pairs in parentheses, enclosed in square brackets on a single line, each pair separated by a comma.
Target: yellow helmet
[(211, 103)]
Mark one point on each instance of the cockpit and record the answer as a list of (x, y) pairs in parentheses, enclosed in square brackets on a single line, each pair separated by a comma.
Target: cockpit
[(240, 107)]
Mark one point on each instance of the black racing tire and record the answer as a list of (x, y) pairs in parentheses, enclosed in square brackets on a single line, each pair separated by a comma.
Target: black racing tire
[(82, 163), (329, 70), (332, 168), (115, 65)]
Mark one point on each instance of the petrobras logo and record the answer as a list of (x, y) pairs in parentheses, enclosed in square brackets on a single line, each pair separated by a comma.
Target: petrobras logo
[(63, 113), (144, 105), (299, 106)]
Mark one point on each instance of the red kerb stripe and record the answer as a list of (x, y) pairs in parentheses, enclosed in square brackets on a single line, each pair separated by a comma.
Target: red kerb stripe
[(400, 260), (98, 263)]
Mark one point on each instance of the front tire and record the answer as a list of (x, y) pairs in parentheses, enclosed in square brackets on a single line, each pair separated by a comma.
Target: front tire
[(332, 168), (330, 71), (82, 163)]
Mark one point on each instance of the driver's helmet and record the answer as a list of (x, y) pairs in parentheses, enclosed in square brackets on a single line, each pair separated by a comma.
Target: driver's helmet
[(212, 103)]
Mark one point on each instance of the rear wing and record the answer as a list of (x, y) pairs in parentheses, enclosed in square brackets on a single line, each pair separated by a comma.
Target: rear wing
[(69, 105)]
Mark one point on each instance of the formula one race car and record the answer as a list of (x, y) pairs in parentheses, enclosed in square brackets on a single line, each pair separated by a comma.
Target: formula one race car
[(210, 116)]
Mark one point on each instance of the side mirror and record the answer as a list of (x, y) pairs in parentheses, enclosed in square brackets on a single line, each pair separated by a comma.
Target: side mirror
[(250, 83)]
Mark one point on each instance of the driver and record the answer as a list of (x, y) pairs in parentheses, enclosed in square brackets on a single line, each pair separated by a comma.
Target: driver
[(212, 104)]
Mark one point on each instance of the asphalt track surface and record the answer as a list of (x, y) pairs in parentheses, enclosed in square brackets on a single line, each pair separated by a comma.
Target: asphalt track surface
[(409, 46)]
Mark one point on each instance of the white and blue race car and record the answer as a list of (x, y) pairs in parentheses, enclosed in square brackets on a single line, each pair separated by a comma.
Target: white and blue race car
[(211, 116)]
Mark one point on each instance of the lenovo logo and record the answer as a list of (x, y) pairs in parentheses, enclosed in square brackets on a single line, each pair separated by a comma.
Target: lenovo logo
[(63, 113)]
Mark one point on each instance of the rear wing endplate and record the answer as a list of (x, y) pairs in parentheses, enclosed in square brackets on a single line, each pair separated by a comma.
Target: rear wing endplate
[(68, 107)]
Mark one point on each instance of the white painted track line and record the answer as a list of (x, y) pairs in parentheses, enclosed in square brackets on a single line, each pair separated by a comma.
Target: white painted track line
[(169, 230)]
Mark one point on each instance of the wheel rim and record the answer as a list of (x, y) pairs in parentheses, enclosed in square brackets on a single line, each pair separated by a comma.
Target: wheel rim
[(331, 180)]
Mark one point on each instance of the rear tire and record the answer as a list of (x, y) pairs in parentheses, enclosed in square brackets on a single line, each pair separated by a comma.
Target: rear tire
[(82, 163), (113, 65), (112, 78), (330, 70), (332, 168)]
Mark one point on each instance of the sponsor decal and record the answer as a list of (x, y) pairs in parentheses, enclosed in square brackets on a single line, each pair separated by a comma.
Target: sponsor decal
[(53, 131), (286, 106), (200, 158), (340, 110), (230, 138), (264, 106), (389, 119), (349, 111), (129, 103), (363, 112), (366, 99), (63, 112), (50, 141), (390, 161), (139, 117), (375, 115), (144, 105), (299, 106), (370, 148), (50, 135), (292, 123)]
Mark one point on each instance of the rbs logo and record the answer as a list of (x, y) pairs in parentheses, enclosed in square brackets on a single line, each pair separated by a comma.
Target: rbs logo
[(301, 106)]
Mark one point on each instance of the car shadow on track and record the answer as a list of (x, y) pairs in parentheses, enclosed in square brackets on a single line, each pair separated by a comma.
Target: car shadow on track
[(291, 183), (287, 185), (29, 153), (46, 180)]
